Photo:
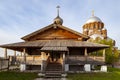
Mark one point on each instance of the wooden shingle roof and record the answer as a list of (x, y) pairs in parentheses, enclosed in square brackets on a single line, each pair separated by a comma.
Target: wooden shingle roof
[(54, 48), (54, 45)]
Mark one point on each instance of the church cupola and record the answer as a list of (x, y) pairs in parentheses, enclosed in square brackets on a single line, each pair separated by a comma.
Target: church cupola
[(94, 25), (58, 19)]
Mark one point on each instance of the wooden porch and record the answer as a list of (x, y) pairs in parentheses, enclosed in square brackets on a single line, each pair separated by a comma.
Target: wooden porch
[(30, 59), (37, 60), (86, 58), (81, 60)]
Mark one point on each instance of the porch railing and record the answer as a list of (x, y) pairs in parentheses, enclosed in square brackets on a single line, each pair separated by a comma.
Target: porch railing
[(4, 64), (86, 58), (32, 60)]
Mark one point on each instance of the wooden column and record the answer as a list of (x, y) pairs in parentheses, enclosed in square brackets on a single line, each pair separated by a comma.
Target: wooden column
[(23, 64), (24, 55), (104, 54), (63, 65), (43, 57), (85, 52), (14, 57), (14, 53), (5, 55)]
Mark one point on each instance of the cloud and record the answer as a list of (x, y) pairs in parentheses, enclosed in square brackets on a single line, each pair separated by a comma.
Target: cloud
[(18, 17)]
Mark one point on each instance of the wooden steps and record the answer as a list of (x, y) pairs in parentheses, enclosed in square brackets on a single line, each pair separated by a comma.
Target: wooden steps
[(53, 70)]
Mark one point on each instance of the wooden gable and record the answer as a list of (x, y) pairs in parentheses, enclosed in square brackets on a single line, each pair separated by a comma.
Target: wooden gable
[(55, 32)]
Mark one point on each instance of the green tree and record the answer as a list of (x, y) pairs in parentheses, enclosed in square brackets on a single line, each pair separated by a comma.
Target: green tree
[(112, 54)]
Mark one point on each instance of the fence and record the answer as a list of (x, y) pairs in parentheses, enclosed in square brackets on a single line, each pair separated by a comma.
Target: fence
[(4, 64)]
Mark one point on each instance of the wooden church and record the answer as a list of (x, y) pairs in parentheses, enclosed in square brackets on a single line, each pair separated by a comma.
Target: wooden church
[(56, 48)]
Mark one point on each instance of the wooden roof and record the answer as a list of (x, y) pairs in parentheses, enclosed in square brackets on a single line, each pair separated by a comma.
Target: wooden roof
[(53, 25), (54, 48), (53, 45)]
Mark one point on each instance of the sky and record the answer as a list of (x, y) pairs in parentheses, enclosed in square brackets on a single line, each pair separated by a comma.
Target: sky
[(21, 17)]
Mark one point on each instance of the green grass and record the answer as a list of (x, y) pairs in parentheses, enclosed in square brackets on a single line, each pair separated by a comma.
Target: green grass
[(112, 74), (110, 69), (8, 75)]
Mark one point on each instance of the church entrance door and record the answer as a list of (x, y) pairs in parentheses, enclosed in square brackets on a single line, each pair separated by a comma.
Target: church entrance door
[(55, 57)]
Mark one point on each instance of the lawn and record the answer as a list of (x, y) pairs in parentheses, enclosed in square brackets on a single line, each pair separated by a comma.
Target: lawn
[(112, 74), (8, 75)]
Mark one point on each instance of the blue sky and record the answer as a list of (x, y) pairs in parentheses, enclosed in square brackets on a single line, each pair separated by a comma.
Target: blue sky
[(21, 17)]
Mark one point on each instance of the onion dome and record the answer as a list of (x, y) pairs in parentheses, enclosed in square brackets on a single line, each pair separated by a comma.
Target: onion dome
[(93, 19), (58, 19)]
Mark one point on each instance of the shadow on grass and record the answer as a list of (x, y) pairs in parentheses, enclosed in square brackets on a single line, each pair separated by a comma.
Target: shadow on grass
[(10, 75)]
